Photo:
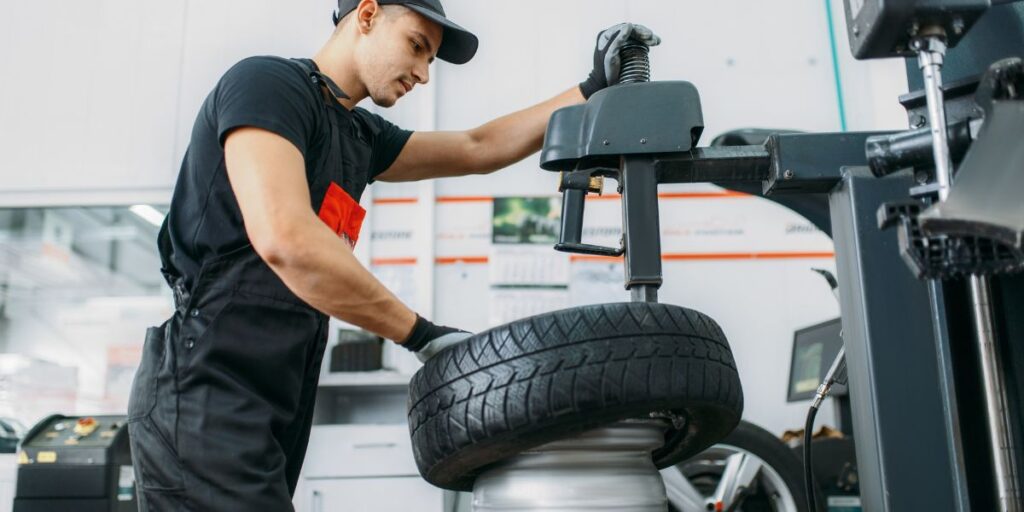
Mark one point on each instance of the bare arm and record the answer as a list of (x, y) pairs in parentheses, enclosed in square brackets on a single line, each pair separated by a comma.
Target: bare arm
[(482, 150), (267, 174)]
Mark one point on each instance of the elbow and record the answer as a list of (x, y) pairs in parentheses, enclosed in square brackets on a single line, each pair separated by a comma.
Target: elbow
[(277, 245), (486, 155), (489, 166), (274, 254), (479, 158), (482, 162)]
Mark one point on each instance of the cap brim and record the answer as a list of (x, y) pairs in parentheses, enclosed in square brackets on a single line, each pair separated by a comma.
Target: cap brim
[(458, 45)]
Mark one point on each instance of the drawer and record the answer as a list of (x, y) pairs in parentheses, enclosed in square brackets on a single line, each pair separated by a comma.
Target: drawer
[(342, 451), (406, 494)]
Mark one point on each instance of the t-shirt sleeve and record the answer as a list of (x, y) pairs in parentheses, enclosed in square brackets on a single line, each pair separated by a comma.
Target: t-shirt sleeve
[(388, 142), (267, 93)]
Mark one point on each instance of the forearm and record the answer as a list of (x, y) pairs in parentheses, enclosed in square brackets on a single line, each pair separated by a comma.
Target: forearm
[(320, 269), (511, 138)]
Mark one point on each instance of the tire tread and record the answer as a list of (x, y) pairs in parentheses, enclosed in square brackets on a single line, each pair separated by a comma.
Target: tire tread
[(580, 368)]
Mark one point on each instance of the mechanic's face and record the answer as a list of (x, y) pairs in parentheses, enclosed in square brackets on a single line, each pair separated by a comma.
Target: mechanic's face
[(398, 51)]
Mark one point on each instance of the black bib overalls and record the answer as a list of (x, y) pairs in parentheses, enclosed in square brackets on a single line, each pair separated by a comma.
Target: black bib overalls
[(222, 404)]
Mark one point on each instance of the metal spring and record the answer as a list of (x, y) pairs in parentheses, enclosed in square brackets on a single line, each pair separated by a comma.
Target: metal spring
[(636, 63)]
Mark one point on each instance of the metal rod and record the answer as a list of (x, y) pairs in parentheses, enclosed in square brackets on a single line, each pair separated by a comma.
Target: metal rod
[(995, 396), (640, 227), (643, 293), (825, 387), (931, 53), (944, 359)]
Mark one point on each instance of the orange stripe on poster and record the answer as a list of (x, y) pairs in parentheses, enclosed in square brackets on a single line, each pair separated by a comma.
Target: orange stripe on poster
[(799, 255), (719, 256), (748, 256), (465, 199), (383, 262), (725, 194), (597, 259), (468, 260), (396, 200)]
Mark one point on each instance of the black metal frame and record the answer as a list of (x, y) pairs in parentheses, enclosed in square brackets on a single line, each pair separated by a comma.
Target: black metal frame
[(912, 376)]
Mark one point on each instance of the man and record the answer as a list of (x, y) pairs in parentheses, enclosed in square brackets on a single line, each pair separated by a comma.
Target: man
[(257, 246)]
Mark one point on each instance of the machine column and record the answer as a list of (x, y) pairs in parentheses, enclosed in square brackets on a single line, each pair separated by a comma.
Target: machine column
[(641, 228)]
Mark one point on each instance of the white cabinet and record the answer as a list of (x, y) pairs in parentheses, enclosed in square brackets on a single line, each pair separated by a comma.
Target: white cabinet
[(408, 494), (359, 451), (353, 464)]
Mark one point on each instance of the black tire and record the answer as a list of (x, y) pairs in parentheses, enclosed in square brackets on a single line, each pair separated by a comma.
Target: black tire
[(770, 449), (543, 378)]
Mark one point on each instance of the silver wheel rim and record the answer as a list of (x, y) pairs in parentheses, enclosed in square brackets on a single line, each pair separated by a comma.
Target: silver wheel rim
[(740, 469)]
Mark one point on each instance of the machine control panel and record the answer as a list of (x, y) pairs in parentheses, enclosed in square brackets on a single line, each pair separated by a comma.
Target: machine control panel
[(49, 442), (87, 431), (76, 463)]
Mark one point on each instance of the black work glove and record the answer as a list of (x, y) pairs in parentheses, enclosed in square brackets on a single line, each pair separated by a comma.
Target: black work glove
[(607, 62), (428, 339)]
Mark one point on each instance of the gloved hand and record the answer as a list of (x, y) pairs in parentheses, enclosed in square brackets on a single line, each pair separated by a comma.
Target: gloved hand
[(607, 62), (428, 339)]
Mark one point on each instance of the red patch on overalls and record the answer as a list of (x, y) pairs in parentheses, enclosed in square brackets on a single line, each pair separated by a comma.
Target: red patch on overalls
[(342, 214)]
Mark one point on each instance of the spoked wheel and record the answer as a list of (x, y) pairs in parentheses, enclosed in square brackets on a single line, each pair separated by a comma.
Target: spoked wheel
[(749, 471)]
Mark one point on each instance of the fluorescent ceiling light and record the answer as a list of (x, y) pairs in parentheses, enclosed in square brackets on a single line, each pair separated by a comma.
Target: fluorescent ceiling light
[(149, 214)]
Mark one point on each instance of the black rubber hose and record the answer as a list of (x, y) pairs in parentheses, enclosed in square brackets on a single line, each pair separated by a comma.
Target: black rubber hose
[(808, 470)]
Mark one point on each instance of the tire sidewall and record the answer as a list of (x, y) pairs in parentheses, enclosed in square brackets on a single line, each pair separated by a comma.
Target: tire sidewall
[(679, 355)]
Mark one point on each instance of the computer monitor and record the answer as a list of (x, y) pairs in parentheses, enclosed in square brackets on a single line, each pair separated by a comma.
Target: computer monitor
[(814, 349)]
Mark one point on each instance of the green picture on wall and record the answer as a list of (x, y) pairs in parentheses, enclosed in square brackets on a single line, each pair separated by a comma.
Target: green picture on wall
[(526, 220)]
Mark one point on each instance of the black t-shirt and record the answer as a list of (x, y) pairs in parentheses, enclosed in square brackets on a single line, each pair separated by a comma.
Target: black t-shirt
[(347, 148)]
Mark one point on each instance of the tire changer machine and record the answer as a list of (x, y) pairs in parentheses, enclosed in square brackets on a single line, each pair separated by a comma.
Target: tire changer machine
[(928, 226)]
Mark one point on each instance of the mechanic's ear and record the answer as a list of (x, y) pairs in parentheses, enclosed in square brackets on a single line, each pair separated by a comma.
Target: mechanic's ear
[(366, 14)]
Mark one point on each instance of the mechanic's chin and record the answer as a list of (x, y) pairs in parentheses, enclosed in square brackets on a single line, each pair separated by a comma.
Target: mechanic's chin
[(386, 100), (386, 97)]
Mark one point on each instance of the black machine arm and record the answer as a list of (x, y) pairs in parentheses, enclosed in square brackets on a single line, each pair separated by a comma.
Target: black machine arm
[(574, 187), (890, 153)]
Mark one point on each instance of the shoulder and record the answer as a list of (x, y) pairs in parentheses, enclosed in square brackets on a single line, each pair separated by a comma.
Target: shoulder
[(265, 71), (271, 93), (365, 116), (374, 122)]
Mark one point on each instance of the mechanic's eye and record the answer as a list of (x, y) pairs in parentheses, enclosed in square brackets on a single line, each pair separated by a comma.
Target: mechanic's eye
[(416, 46)]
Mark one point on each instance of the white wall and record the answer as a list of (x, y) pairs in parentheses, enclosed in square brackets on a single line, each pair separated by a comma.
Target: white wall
[(100, 96), (98, 99), (88, 100)]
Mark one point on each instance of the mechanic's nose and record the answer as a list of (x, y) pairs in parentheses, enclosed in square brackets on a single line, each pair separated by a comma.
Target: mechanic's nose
[(422, 73)]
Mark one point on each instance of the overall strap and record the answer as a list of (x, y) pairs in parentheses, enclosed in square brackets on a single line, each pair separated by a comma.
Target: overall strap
[(319, 79)]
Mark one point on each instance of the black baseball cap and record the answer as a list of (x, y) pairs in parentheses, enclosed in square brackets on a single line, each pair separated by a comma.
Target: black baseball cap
[(458, 45)]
